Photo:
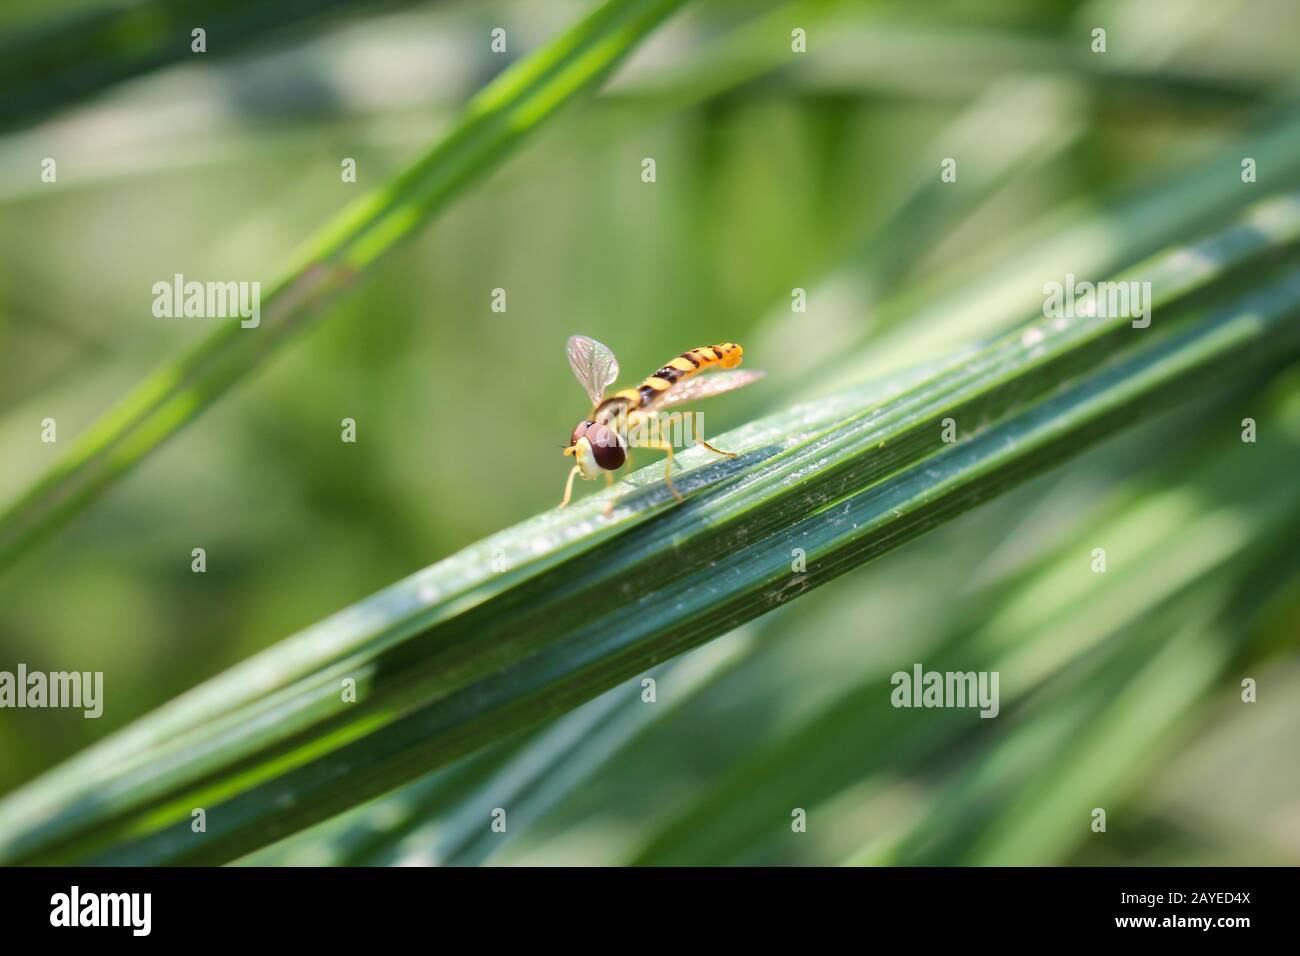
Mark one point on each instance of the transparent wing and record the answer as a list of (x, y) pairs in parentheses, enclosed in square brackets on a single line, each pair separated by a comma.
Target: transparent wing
[(705, 386), (593, 364)]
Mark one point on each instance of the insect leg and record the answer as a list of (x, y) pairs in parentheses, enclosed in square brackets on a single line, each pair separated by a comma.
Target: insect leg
[(609, 483), (667, 449), (716, 451), (568, 486), (699, 440)]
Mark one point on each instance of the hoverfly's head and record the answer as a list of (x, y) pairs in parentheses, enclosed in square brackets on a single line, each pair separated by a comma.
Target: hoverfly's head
[(595, 447)]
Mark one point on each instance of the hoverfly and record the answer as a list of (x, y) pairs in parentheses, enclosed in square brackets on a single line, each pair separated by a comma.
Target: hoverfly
[(599, 443)]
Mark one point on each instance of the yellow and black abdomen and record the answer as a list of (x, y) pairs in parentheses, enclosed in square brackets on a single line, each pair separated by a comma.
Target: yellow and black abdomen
[(725, 355)]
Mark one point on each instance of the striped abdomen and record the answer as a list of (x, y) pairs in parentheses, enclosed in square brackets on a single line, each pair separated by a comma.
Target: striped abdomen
[(725, 355)]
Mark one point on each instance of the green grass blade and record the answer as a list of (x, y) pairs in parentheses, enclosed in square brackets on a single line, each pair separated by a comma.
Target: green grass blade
[(1047, 622), (61, 59), (1017, 799), (494, 124), (465, 653), (986, 293), (438, 820)]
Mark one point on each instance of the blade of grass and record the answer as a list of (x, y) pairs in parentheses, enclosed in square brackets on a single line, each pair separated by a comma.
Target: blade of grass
[(886, 49), (430, 822), (460, 655), (872, 262), (1017, 800), (1014, 129), (494, 124), (1184, 538), (985, 294), (545, 774), (61, 59)]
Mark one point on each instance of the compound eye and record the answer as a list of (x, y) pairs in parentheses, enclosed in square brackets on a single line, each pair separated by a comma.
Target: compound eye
[(579, 431), (605, 447)]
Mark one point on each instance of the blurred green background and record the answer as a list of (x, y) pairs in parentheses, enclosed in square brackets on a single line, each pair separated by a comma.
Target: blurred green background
[(774, 172)]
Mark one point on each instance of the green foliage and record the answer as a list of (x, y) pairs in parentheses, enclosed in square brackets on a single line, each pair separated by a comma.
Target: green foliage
[(464, 653), (507, 674), (494, 123)]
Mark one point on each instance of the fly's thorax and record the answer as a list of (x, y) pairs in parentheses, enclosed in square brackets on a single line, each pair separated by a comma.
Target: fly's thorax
[(615, 412), (634, 426)]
